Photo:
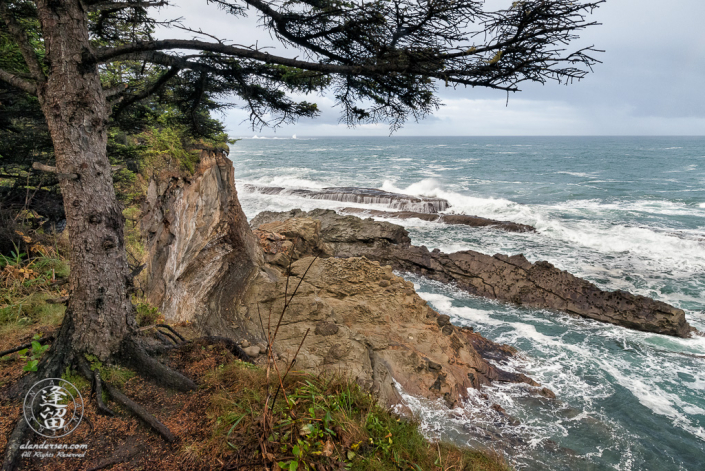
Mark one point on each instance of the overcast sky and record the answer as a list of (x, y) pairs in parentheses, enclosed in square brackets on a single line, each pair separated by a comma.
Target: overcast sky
[(650, 81)]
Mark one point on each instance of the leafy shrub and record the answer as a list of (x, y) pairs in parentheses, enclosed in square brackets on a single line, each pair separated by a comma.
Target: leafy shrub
[(147, 314)]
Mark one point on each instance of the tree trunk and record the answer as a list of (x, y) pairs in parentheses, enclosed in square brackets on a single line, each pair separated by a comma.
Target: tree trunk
[(75, 107)]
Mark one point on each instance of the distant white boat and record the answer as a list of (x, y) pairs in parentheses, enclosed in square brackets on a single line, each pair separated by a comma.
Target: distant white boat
[(294, 136)]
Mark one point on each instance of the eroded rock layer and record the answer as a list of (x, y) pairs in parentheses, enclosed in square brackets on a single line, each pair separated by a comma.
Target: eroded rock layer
[(364, 321), (461, 219), (200, 251), (513, 279), (361, 195), (207, 267)]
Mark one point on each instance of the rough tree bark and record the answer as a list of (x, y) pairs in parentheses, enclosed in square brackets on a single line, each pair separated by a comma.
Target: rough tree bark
[(75, 107), (99, 319)]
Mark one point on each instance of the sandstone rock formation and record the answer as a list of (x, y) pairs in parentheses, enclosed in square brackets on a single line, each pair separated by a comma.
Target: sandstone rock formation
[(368, 323), (205, 266), (361, 195), (513, 279), (462, 219)]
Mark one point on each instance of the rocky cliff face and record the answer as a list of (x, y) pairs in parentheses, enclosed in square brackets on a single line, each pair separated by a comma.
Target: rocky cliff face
[(206, 266), (512, 279), (201, 254)]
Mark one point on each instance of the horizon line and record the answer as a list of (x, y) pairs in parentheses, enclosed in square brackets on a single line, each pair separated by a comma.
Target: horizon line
[(460, 135)]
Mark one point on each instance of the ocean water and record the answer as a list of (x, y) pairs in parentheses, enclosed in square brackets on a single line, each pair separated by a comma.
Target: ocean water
[(624, 213)]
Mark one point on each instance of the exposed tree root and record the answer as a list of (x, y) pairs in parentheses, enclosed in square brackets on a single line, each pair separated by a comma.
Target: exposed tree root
[(140, 412), (172, 330), (51, 366), (137, 357), (156, 350), (98, 388), (61, 356), (12, 451), (133, 354), (163, 336), (42, 340)]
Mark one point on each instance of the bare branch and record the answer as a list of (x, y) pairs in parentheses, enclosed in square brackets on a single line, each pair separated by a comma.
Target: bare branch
[(115, 6), (199, 32), (17, 82), (50, 169)]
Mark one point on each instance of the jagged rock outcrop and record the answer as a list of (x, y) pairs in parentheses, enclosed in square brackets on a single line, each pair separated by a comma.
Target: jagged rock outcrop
[(366, 322), (419, 204), (513, 279), (206, 266), (201, 254), (461, 219)]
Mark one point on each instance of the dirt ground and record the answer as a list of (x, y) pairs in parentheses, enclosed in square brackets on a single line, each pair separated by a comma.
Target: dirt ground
[(123, 442)]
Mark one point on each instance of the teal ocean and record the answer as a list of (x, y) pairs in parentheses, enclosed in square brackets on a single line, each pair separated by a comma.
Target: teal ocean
[(625, 213)]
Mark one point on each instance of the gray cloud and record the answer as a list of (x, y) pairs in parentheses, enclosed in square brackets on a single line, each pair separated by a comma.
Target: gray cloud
[(649, 82)]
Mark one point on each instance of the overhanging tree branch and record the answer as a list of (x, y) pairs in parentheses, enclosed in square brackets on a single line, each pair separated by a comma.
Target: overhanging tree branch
[(127, 100), (129, 50), (168, 60), (115, 6)]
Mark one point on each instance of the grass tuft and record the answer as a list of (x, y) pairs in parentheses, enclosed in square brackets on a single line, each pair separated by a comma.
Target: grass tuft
[(325, 423)]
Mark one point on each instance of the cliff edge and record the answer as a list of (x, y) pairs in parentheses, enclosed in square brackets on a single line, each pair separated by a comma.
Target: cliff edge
[(207, 267)]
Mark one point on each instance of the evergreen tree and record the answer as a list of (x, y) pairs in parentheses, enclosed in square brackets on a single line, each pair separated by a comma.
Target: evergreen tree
[(83, 63)]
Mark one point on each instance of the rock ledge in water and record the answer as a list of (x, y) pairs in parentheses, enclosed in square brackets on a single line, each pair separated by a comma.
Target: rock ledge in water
[(360, 195), (461, 219), (512, 279)]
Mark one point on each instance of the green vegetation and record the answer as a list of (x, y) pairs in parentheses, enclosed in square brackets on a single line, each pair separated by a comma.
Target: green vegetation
[(27, 280), (324, 422), (147, 314), (33, 354), (165, 149), (78, 380)]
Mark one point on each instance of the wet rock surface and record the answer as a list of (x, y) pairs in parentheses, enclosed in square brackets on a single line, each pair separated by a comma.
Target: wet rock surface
[(507, 278), (360, 195), (461, 219)]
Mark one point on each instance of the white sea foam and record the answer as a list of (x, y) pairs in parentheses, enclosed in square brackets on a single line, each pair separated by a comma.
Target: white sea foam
[(584, 362), (293, 179), (563, 364), (656, 399), (587, 224), (577, 174)]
